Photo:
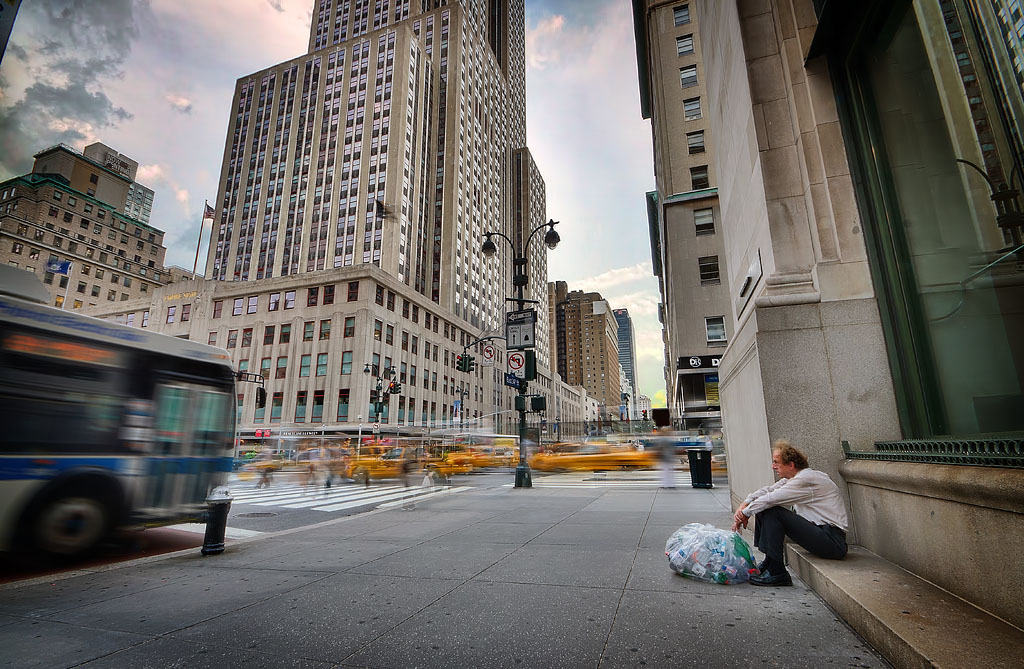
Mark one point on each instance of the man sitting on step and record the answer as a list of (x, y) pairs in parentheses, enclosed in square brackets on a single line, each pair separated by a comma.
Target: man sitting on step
[(817, 522)]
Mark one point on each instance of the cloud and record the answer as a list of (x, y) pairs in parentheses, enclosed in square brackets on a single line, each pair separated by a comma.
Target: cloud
[(180, 103), (659, 401), (615, 278), (276, 4), (543, 43), (156, 175)]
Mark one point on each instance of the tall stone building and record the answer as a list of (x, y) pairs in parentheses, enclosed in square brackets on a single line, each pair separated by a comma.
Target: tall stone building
[(138, 201), (872, 228), (69, 209), (586, 335), (627, 356), (684, 214)]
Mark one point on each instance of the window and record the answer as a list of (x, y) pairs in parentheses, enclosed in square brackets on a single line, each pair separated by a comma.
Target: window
[(304, 363), (268, 335), (17, 248), (253, 304), (265, 368), (695, 142), (300, 407), (691, 109), (212, 339), (684, 45), (312, 296), (353, 291), (405, 308), (346, 362), (246, 337), (275, 302), (289, 299), (391, 301), (688, 76), (232, 338), (704, 221), (218, 308), (82, 285), (329, 294), (343, 405), (681, 14), (715, 327), (389, 335), (350, 326), (186, 309), (286, 334), (379, 297), (325, 329), (708, 266), (405, 340), (277, 402), (236, 309), (170, 314), (415, 315), (699, 177), (318, 407), (378, 328), (307, 331), (282, 367), (321, 364)]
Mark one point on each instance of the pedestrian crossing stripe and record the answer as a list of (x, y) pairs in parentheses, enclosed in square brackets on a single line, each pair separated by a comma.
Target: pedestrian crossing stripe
[(541, 482), (336, 499)]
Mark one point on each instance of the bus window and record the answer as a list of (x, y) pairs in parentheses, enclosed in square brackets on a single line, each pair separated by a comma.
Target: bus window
[(171, 419), (213, 417)]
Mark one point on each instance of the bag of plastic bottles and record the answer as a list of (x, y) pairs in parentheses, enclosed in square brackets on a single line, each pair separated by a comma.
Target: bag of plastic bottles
[(707, 553)]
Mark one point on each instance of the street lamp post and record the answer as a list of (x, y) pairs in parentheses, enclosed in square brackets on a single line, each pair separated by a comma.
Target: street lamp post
[(387, 385), (520, 277)]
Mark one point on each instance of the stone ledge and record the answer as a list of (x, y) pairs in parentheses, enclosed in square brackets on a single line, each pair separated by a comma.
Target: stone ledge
[(911, 622)]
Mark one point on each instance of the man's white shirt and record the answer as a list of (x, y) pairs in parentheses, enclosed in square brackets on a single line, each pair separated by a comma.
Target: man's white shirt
[(812, 494)]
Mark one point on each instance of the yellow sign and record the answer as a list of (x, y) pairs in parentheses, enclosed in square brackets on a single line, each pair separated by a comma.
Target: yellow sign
[(711, 389), (60, 349), (179, 296)]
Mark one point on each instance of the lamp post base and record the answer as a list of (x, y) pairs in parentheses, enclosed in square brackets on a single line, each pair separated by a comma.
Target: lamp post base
[(523, 479)]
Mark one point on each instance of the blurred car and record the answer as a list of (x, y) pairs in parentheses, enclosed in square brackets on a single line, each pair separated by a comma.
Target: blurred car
[(384, 463), (594, 457), (488, 456)]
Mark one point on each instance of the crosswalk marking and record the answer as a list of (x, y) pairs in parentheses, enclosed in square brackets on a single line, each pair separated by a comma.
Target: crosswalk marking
[(590, 481), (339, 498)]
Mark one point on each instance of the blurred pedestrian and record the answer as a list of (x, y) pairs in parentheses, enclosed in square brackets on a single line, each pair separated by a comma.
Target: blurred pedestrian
[(667, 457), (817, 522)]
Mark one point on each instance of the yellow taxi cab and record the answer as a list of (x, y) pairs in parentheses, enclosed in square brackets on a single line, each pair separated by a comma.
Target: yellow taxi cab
[(490, 456), (593, 457)]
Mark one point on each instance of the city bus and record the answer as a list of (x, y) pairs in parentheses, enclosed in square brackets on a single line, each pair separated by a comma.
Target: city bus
[(105, 426)]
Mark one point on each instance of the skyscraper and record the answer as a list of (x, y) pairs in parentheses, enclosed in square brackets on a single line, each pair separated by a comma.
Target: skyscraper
[(587, 345), (138, 200), (627, 355)]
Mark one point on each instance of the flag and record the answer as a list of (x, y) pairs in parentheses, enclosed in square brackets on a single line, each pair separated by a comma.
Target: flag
[(58, 266), (209, 213)]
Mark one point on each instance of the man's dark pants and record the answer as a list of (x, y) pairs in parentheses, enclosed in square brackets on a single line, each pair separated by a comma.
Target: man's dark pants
[(775, 523)]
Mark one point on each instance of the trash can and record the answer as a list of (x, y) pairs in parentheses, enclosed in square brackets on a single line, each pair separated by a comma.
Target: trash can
[(700, 467), (218, 505)]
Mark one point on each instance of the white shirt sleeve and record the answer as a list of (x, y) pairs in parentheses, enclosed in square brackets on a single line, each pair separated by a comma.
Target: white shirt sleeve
[(762, 491), (784, 493)]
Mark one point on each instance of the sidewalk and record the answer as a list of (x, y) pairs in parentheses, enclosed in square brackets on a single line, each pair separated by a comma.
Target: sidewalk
[(495, 577)]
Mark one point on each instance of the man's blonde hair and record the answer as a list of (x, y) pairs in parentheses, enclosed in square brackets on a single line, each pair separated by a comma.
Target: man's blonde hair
[(789, 455)]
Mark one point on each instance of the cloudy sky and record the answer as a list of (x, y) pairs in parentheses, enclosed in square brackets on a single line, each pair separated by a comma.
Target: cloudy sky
[(154, 79)]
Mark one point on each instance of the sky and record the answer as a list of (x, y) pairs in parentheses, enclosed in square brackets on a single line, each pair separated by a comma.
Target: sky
[(153, 79)]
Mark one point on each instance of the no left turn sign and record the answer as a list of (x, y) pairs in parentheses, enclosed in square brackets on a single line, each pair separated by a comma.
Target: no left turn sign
[(488, 356), (517, 363)]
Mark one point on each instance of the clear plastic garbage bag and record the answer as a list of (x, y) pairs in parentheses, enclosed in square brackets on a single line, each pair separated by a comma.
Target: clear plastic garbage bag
[(707, 553)]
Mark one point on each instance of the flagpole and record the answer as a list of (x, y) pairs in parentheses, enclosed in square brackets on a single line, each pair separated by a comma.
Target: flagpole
[(202, 222), (64, 303)]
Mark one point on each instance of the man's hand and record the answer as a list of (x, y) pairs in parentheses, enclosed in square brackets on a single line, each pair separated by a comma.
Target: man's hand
[(739, 519)]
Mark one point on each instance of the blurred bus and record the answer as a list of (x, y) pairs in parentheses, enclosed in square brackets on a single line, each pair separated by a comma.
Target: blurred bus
[(105, 426)]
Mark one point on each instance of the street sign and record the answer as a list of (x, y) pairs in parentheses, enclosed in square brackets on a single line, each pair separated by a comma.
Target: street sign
[(521, 329), (487, 356), (512, 381), (517, 364), (376, 428)]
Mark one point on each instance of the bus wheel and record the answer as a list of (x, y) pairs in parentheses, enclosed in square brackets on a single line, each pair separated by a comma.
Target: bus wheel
[(70, 525)]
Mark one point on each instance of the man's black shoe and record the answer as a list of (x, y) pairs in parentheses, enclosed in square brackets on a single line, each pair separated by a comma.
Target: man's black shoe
[(772, 580), (763, 566)]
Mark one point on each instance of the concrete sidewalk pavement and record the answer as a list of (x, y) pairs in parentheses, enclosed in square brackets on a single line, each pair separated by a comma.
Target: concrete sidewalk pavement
[(495, 577)]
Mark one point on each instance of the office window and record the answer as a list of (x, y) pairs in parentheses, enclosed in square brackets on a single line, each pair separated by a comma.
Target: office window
[(699, 177), (275, 302), (715, 328), (212, 339), (239, 304), (289, 299), (704, 221), (684, 45), (312, 296), (405, 340), (379, 296), (688, 76), (286, 334), (186, 309), (170, 314), (695, 142), (343, 405), (304, 363), (246, 337), (325, 329), (329, 294), (318, 407), (691, 109), (282, 367), (307, 331), (300, 406), (708, 266), (346, 362), (265, 368), (145, 314), (268, 335), (378, 328), (253, 304), (681, 14), (321, 364), (350, 326), (218, 308), (391, 301), (276, 404), (232, 338), (389, 335), (353, 291)]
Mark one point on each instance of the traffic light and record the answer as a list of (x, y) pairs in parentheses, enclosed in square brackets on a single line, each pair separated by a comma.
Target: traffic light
[(459, 364), (395, 388), (374, 397), (645, 414), (261, 397), (470, 363)]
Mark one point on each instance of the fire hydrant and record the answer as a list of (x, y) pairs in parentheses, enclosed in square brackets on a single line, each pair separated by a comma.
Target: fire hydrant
[(218, 505)]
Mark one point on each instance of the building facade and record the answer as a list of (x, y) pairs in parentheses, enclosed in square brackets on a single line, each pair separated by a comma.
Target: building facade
[(872, 229), (684, 212), (627, 359), (138, 201), (86, 251)]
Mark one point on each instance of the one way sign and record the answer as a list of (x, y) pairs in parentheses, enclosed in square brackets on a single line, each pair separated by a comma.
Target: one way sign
[(520, 329)]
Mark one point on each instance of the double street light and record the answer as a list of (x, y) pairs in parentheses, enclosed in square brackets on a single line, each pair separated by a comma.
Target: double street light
[(520, 278), (387, 385)]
